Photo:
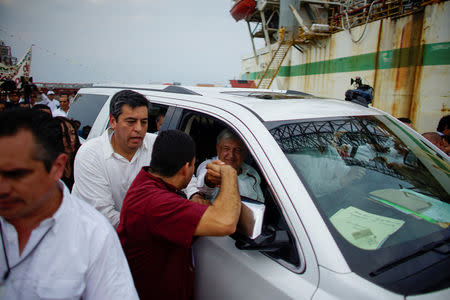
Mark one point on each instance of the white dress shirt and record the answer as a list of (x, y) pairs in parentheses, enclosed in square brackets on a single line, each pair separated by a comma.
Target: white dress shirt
[(72, 255), (248, 181), (53, 104), (102, 177), (59, 113)]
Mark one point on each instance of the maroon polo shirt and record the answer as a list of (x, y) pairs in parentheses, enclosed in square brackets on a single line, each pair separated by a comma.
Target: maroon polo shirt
[(156, 230)]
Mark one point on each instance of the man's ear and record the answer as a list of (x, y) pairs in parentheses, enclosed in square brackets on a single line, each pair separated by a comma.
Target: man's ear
[(112, 122), (185, 169), (217, 149), (58, 166)]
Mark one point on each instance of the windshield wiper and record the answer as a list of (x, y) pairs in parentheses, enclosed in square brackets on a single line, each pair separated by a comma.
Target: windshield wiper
[(442, 247)]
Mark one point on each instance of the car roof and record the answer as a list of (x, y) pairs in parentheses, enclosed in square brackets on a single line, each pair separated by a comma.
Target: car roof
[(268, 105)]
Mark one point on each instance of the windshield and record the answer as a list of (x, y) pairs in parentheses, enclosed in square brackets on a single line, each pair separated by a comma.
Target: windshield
[(383, 193)]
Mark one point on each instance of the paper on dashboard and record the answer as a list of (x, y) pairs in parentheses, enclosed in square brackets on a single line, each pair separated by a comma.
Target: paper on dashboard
[(362, 229)]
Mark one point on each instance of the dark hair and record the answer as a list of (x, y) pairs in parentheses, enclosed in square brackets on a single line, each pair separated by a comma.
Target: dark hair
[(405, 120), (159, 116), (128, 97), (46, 131), (65, 123), (444, 123), (171, 151), (40, 106)]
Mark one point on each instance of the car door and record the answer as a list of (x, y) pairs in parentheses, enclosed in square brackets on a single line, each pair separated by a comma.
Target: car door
[(222, 270)]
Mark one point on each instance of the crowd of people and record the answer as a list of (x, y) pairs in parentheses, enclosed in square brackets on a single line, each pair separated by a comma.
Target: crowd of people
[(115, 217), (134, 204)]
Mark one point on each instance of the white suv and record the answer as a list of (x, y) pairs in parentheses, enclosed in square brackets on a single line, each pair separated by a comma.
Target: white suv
[(356, 203)]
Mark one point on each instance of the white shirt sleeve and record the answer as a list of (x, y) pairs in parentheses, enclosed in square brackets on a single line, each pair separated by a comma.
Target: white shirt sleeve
[(91, 184), (109, 276), (201, 173), (44, 100)]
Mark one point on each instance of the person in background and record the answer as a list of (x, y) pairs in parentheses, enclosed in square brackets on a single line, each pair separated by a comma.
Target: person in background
[(13, 99), (106, 165), (438, 140), (231, 151), (76, 123), (157, 225), (64, 106), (2, 105), (71, 146), (24, 105), (43, 107), (49, 100), (159, 121), (72, 97), (406, 121), (443, 127), (3, 96), (85, 131), (33, 99), (54, 246)]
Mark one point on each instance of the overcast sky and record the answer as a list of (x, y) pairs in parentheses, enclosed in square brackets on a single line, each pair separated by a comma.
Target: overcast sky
[(130, 41)]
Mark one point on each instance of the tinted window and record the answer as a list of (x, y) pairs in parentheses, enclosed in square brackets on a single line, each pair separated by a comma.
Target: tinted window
[(85, 108)]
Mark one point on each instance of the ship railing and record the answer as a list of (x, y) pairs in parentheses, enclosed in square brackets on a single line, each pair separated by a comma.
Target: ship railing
[(344, 16)]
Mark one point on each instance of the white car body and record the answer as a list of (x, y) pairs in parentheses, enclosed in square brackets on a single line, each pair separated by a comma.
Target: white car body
[(222, 270)]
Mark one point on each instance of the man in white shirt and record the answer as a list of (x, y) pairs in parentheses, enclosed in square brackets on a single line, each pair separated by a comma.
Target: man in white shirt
[(64, 106), (49, 100), (231, 151), (54, 246), (106, 166)]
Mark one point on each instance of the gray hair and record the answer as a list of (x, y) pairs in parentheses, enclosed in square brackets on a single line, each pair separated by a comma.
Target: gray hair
[(126, 97), (227, 134)]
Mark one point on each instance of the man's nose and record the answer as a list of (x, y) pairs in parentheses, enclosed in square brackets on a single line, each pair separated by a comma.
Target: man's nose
[(138, 126)]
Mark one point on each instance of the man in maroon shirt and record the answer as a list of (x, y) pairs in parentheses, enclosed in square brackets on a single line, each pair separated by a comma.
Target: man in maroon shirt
[(157, 225)]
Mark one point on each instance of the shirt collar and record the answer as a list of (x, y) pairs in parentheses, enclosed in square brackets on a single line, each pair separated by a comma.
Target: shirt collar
[(106, 142), (245, 168), (107, 147), (160, 182)]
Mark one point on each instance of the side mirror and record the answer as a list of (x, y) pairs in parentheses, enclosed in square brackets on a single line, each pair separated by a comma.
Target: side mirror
[(250, 235), (272, 241)]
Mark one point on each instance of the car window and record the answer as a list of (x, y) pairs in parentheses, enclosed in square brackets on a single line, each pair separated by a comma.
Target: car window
[(204, 130), (381, 191), (85, 108), (156, 114)]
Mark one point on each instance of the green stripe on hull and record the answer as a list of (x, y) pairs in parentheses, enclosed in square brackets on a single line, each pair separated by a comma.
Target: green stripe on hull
[(424, 55)]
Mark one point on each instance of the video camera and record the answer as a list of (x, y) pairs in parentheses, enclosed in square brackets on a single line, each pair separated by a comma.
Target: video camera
[(362, 94)]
